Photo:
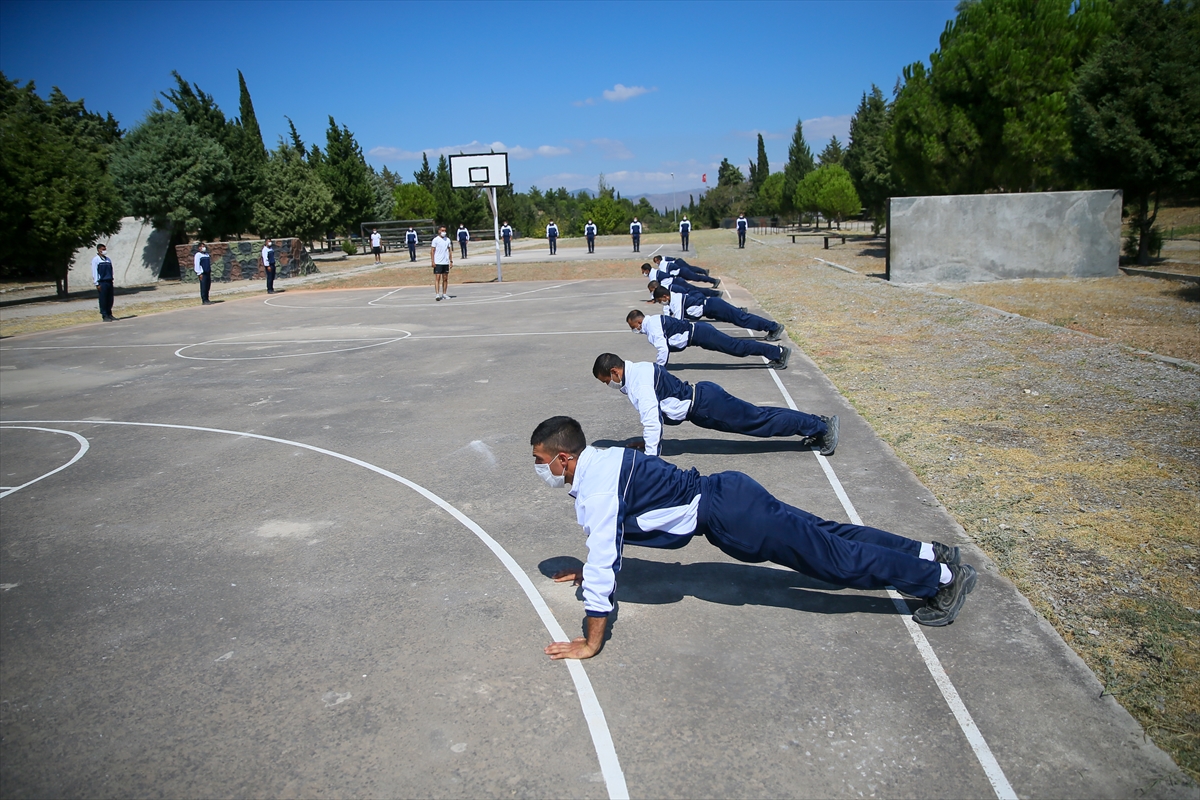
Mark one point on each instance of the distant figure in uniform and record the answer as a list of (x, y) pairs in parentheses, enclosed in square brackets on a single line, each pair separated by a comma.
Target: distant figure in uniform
[(552, 236), (268, 264), (623, 497), (635, 230), (682, 304), (102, 279), (441, 256), (506, 235), (670, 335), (464, 236), (412, 240), (742, 225), (662, 399), (685, 230), (202, 263), (376, 245), (589, 231)]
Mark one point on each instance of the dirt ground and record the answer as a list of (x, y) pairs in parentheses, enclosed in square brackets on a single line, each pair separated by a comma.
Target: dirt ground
[(1071, 459)]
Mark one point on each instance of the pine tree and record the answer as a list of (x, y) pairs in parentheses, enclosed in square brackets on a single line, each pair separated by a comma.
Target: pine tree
[(344, 171), (760, 171), (867, 158), (833, 153), (800, 163), (424, 176)]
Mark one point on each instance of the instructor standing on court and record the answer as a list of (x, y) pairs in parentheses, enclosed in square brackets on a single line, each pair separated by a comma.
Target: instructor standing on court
[(102, 279), (441, 255), (202, 264)]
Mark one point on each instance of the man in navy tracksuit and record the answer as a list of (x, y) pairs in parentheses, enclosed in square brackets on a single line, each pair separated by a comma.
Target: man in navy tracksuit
[(657, 279), (552, 236), (635, 230), (674, 269), (670, 335), (102, 279), (464, 236), (625, 497), (268, 264), (662, 399), (202, 264), (742, 225), (589, 231), (411, 240), (685, 231), (691, 306), (506, 235), (670, 262)]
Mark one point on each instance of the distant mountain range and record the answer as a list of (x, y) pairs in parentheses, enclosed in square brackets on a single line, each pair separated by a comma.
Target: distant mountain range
[(661, 200)]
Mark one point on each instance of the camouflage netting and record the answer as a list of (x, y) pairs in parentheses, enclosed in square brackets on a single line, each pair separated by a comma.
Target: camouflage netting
[(239, 261)]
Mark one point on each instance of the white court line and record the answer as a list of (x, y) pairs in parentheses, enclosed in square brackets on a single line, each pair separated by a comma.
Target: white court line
[(83, 448), (966, 723), (378, 342), (606, 753), (505, 297)]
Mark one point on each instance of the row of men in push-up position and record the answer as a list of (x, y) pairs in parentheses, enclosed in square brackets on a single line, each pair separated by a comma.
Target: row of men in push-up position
[(628, 495)]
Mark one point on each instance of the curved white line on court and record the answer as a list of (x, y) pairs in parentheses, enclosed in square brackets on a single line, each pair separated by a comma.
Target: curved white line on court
[(979, 745), (83, 448), (606, 753), (378, 342)]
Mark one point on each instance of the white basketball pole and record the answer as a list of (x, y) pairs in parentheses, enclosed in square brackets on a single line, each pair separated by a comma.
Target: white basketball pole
[(496, 228)]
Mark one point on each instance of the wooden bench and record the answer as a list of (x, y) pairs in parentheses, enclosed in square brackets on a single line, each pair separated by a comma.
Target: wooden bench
[(826, 238)]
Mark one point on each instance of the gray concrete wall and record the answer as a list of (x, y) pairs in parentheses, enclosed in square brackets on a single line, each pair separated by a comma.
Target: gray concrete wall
[(137, 251), (991, 237)]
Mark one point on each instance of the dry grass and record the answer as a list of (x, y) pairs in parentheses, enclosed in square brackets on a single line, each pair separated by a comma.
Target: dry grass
[(1072, 462)]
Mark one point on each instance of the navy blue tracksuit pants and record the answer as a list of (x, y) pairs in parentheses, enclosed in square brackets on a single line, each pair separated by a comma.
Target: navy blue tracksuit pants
[(689, 274), (708, 337), (679, 262), (718, 309), (743, 520), (689, 288), (718, 410)]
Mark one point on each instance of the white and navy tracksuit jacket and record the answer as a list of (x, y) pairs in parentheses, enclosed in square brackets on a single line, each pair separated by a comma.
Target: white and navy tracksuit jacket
[(625, 497), (590, 231), (551, 231)]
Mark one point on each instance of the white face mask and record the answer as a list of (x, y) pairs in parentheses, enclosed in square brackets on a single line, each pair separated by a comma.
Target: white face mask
[(548, 477), (613, 383)]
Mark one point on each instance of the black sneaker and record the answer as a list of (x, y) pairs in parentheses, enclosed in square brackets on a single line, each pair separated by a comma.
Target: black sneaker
[(941, 609), (716, 282), (782, 361), (775, 333), (946, 554), (829, 441)]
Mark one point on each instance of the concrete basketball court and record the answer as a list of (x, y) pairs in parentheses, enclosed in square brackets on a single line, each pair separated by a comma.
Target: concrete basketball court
[(295, 546)]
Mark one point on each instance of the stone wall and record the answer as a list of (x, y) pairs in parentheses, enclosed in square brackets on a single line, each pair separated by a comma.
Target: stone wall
[(239, 261), (991, 237), (137, 251)]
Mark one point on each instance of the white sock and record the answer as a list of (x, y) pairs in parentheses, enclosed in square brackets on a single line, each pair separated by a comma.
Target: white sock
[(946, 577), (927, 551)]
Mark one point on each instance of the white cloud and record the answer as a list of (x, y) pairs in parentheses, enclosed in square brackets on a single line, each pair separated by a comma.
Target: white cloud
[(591, 101), (612, 148), (817, 131), (517, 152), (621, 93)]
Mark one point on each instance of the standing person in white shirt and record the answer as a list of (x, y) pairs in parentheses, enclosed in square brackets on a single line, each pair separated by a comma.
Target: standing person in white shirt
[(685, 231), (376, 245), (590, 232), (506, 235), (552, 236), (635, 230), (102, 279), (268, 264), (441, 256), (202, 264)]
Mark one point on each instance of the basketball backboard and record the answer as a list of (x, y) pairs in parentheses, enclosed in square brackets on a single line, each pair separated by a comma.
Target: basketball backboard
[(479, 171)]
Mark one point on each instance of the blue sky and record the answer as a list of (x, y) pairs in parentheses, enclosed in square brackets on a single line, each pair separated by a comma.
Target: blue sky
[(571, 90)]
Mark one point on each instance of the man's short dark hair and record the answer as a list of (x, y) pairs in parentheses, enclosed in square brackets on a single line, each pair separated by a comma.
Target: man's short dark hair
[(560, 434), (606, 363), (646, 267), (633, 315), (652, 285), (656, 258), (661, 292)]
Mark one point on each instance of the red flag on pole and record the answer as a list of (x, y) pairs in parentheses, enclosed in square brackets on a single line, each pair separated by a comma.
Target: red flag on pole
[(704, 178)]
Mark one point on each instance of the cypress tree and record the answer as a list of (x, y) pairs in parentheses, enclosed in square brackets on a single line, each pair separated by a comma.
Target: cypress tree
[(800, 163)]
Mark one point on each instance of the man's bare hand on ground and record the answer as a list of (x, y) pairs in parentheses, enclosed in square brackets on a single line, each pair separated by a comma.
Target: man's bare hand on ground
[(574, 575), (576, 648)]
